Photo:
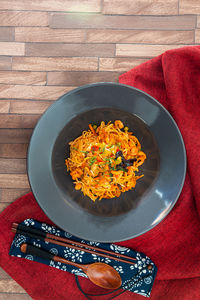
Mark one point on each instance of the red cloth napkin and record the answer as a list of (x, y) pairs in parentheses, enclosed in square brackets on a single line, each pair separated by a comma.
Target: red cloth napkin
[(174, 245)]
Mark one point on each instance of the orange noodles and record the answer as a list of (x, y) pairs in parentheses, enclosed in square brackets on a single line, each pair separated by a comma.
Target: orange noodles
[(103, 160)]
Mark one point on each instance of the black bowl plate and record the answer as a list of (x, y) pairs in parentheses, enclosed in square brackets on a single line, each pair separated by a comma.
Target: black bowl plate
[(135, 211)]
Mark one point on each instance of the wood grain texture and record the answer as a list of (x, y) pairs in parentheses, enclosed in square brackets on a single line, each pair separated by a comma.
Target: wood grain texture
[(13, 150), (48, 47), (142, 51), (13, 136), (55, 63), (7, 34), (5, 63), (14, 181), (10, 48), (80, 78), (28, 107), (45, 34), (140, 36), (12, 166), (18, 121), (52, 5), (3, 274), (4, 106), (23, 18), (9, 195), (33, 92), (14, 296), (43, 49), (18, 77), (189, 7), (122, 22), (198, 21), (140, 7), (9, 285), (119, 64), (197, 36)]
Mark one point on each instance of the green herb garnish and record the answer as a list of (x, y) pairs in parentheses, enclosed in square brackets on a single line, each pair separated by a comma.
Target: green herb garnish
[(86, 152), (103, 149), (92, 161), (109, 160), (75, 148)]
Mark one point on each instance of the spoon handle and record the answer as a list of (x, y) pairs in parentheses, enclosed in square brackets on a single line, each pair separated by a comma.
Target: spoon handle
[(29, 249), (65, 261)]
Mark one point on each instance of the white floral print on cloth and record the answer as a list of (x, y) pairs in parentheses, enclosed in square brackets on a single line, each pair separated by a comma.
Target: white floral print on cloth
[(29, 257), (54, 251), (101, 259), (78, 272), (73, 255), (50, 229), (136, 277), (19, 239), (29, 222), (119, 249)]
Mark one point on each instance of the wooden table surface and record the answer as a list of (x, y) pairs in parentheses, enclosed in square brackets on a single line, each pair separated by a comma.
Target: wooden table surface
[(48, 47)]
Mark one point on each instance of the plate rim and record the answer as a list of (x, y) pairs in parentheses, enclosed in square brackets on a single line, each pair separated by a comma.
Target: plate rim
[(162, 107)]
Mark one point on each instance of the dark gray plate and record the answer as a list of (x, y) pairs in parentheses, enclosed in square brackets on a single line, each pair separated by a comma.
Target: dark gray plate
[(134, 212)]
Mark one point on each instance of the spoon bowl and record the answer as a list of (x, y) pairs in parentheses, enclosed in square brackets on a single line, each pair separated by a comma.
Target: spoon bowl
[(99, 273), (103, 275)]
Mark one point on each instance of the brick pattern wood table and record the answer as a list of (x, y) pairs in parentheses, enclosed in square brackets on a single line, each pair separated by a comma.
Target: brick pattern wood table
[(48, 47)]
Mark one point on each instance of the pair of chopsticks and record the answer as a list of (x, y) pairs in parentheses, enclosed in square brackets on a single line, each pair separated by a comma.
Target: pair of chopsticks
[(47, 237)]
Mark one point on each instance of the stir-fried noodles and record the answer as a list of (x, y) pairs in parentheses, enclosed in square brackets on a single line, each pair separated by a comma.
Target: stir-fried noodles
[(104, 160)]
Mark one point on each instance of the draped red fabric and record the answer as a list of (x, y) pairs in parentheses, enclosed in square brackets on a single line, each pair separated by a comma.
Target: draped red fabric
[(173, 78)]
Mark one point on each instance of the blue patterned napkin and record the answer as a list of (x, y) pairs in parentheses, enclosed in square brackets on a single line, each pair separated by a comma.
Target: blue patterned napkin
[(136, 278)]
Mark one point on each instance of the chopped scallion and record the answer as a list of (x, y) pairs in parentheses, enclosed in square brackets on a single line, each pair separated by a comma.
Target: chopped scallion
[(92, 161)]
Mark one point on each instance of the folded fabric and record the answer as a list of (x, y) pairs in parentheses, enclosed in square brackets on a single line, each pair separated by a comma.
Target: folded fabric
[(174, 245), (135, 277), (173, 79)]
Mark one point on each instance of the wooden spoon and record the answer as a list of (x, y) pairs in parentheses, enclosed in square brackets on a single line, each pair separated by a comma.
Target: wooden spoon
[(99, 273)]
